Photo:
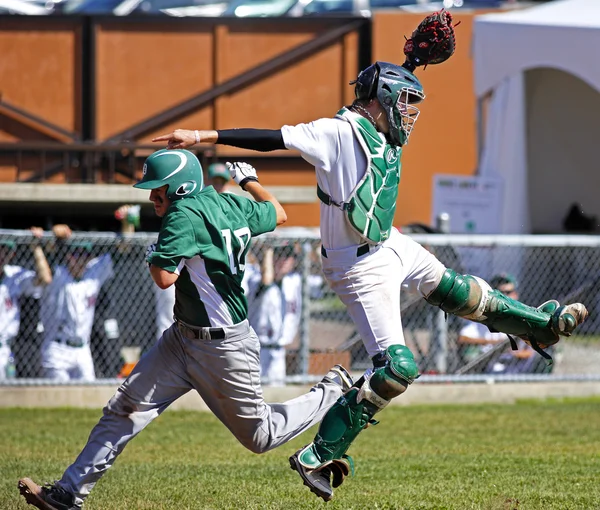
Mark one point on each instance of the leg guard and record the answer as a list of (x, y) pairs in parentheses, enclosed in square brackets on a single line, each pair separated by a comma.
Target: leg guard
[(354, 411), (472, 298)]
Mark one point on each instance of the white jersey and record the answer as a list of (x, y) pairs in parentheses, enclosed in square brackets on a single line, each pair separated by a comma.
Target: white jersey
[(16, 282), (164, 300), (276, 315), (338, 171), (68, 305), (479, 330)]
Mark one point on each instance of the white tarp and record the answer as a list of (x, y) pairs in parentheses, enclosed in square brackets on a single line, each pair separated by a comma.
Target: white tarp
[(563, 35)]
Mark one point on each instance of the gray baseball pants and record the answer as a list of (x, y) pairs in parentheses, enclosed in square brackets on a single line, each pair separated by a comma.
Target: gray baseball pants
[(226, 374)]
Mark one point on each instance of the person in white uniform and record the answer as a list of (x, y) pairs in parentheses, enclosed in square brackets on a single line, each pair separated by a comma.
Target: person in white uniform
[(16, 282), (356, 155), (275, 312), (67, 310)]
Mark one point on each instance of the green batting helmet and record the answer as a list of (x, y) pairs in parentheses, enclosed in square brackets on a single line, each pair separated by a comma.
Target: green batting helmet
[(398, 90), (178, 168)]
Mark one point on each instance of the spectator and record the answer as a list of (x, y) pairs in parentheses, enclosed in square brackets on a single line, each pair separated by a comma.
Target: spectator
[(476, 339), (67, 309), (276, 310), (218, 177), (15, 283)]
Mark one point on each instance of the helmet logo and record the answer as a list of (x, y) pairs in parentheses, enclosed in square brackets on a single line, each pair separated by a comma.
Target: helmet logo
[(145, 169), (186, 188)]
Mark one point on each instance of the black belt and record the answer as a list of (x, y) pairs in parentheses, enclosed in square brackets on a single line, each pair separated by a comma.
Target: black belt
[(70, 342), (363, 249), (201, 333)]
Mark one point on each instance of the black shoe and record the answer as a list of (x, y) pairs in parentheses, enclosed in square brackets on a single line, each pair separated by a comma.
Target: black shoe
[(48, 497), (316, 480)]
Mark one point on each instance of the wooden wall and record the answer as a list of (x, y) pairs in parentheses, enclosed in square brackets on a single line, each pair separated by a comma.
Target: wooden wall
[(145, 68)]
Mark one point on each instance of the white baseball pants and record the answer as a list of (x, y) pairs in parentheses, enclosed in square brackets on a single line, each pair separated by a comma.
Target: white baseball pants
[(369, 285)]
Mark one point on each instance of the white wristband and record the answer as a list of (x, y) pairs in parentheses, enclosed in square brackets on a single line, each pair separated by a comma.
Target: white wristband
[(197, 135)]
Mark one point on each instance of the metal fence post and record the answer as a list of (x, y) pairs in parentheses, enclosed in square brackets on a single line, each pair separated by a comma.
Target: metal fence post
[(440, 326), (304, 349)]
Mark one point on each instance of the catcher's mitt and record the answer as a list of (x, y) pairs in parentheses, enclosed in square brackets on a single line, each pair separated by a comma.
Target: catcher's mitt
[(433, 41)]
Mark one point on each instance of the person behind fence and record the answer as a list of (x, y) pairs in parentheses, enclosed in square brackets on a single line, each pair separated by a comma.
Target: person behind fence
[(15, 283), (68, 305), (356, 155), (210, 348), (476, 340), (218, 177), (276, 310)]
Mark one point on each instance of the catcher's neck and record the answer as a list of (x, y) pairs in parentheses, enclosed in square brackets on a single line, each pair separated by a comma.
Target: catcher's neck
[(361, 110)]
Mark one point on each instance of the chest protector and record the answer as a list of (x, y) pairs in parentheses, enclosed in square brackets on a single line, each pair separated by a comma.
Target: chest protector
[(371, 206)]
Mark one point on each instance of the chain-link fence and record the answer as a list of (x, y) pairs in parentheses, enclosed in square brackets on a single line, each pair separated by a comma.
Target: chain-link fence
[(303, 327)]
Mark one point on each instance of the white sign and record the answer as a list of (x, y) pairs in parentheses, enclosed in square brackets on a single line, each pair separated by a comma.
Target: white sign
[(473, 203)]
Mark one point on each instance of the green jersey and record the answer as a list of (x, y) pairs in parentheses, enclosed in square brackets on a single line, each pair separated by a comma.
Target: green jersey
[(204, 239)]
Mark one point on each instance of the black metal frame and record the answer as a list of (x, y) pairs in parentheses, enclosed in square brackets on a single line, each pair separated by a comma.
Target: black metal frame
[(84, 150)]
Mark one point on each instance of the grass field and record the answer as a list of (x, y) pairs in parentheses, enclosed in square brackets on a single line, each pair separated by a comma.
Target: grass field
[(531, 455)]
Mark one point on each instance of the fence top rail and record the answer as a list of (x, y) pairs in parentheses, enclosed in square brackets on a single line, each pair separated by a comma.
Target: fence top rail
[(312, 233)]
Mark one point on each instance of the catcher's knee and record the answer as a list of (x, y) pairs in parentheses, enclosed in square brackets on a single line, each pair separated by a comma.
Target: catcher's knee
[(393, 378), (462, 295)]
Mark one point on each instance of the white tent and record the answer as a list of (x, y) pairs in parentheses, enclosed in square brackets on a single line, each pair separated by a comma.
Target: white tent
[(537, 70)]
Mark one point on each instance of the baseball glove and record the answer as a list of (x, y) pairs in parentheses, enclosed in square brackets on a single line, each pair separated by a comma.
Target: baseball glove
[(433, 41)]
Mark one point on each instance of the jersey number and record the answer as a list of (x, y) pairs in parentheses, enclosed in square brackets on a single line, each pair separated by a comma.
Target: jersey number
[(236, 262)]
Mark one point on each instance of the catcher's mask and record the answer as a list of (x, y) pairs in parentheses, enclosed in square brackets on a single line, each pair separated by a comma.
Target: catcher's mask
[(178, 168), (398, 90)]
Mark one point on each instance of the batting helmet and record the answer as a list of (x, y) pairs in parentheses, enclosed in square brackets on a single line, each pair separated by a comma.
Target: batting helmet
[(178, 168), (397, 90)]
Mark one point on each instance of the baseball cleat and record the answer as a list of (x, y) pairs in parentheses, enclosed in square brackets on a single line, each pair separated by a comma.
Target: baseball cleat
[(317, 480), (340, 376), (47, 497)]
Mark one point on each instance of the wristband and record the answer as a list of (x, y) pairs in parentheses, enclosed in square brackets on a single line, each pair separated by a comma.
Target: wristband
[(197, 135)]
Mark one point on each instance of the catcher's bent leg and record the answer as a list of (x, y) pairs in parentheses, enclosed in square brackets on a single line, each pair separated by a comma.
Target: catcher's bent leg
[(326, 455), (472, 298)]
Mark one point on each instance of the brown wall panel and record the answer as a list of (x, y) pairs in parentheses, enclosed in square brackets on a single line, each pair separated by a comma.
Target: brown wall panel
[(445, 136), (144, 69), (39, 69)]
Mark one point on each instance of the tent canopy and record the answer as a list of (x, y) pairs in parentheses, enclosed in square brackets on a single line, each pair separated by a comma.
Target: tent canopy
[(564, 34), (538, 71)]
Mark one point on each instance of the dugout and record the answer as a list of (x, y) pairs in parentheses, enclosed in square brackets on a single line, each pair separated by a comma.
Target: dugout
[(538, 87)]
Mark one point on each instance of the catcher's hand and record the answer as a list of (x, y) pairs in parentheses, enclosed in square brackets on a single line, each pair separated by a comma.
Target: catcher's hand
[(432, 42), (241, 173)]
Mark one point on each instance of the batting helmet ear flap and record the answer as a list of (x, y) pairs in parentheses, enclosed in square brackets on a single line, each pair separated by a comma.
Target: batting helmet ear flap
[(365, 86)]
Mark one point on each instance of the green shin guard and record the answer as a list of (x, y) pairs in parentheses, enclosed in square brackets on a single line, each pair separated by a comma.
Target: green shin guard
[(355, 410), (472, 298)]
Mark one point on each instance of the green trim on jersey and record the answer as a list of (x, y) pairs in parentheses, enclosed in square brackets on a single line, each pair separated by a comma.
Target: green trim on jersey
[(372, 203), (205, 239)]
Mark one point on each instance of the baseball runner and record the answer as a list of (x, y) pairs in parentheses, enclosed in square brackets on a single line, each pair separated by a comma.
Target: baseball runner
[(67, 310), (356, 156), (210, 347), (15, 282)]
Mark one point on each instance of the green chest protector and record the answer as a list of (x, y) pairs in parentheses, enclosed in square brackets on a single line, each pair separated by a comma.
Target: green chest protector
[(371, 206)]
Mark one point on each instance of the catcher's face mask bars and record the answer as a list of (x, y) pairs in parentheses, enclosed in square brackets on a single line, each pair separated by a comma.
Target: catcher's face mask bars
[(406, 113)]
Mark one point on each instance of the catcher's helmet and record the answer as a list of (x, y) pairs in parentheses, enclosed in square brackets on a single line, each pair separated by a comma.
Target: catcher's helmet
[(178, 168), (398, 90)]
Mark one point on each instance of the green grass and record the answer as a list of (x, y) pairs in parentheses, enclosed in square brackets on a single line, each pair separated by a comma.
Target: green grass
[(532, 455)]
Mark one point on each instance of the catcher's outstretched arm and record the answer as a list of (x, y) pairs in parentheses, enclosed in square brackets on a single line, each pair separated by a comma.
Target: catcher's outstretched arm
[(263, 140)]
